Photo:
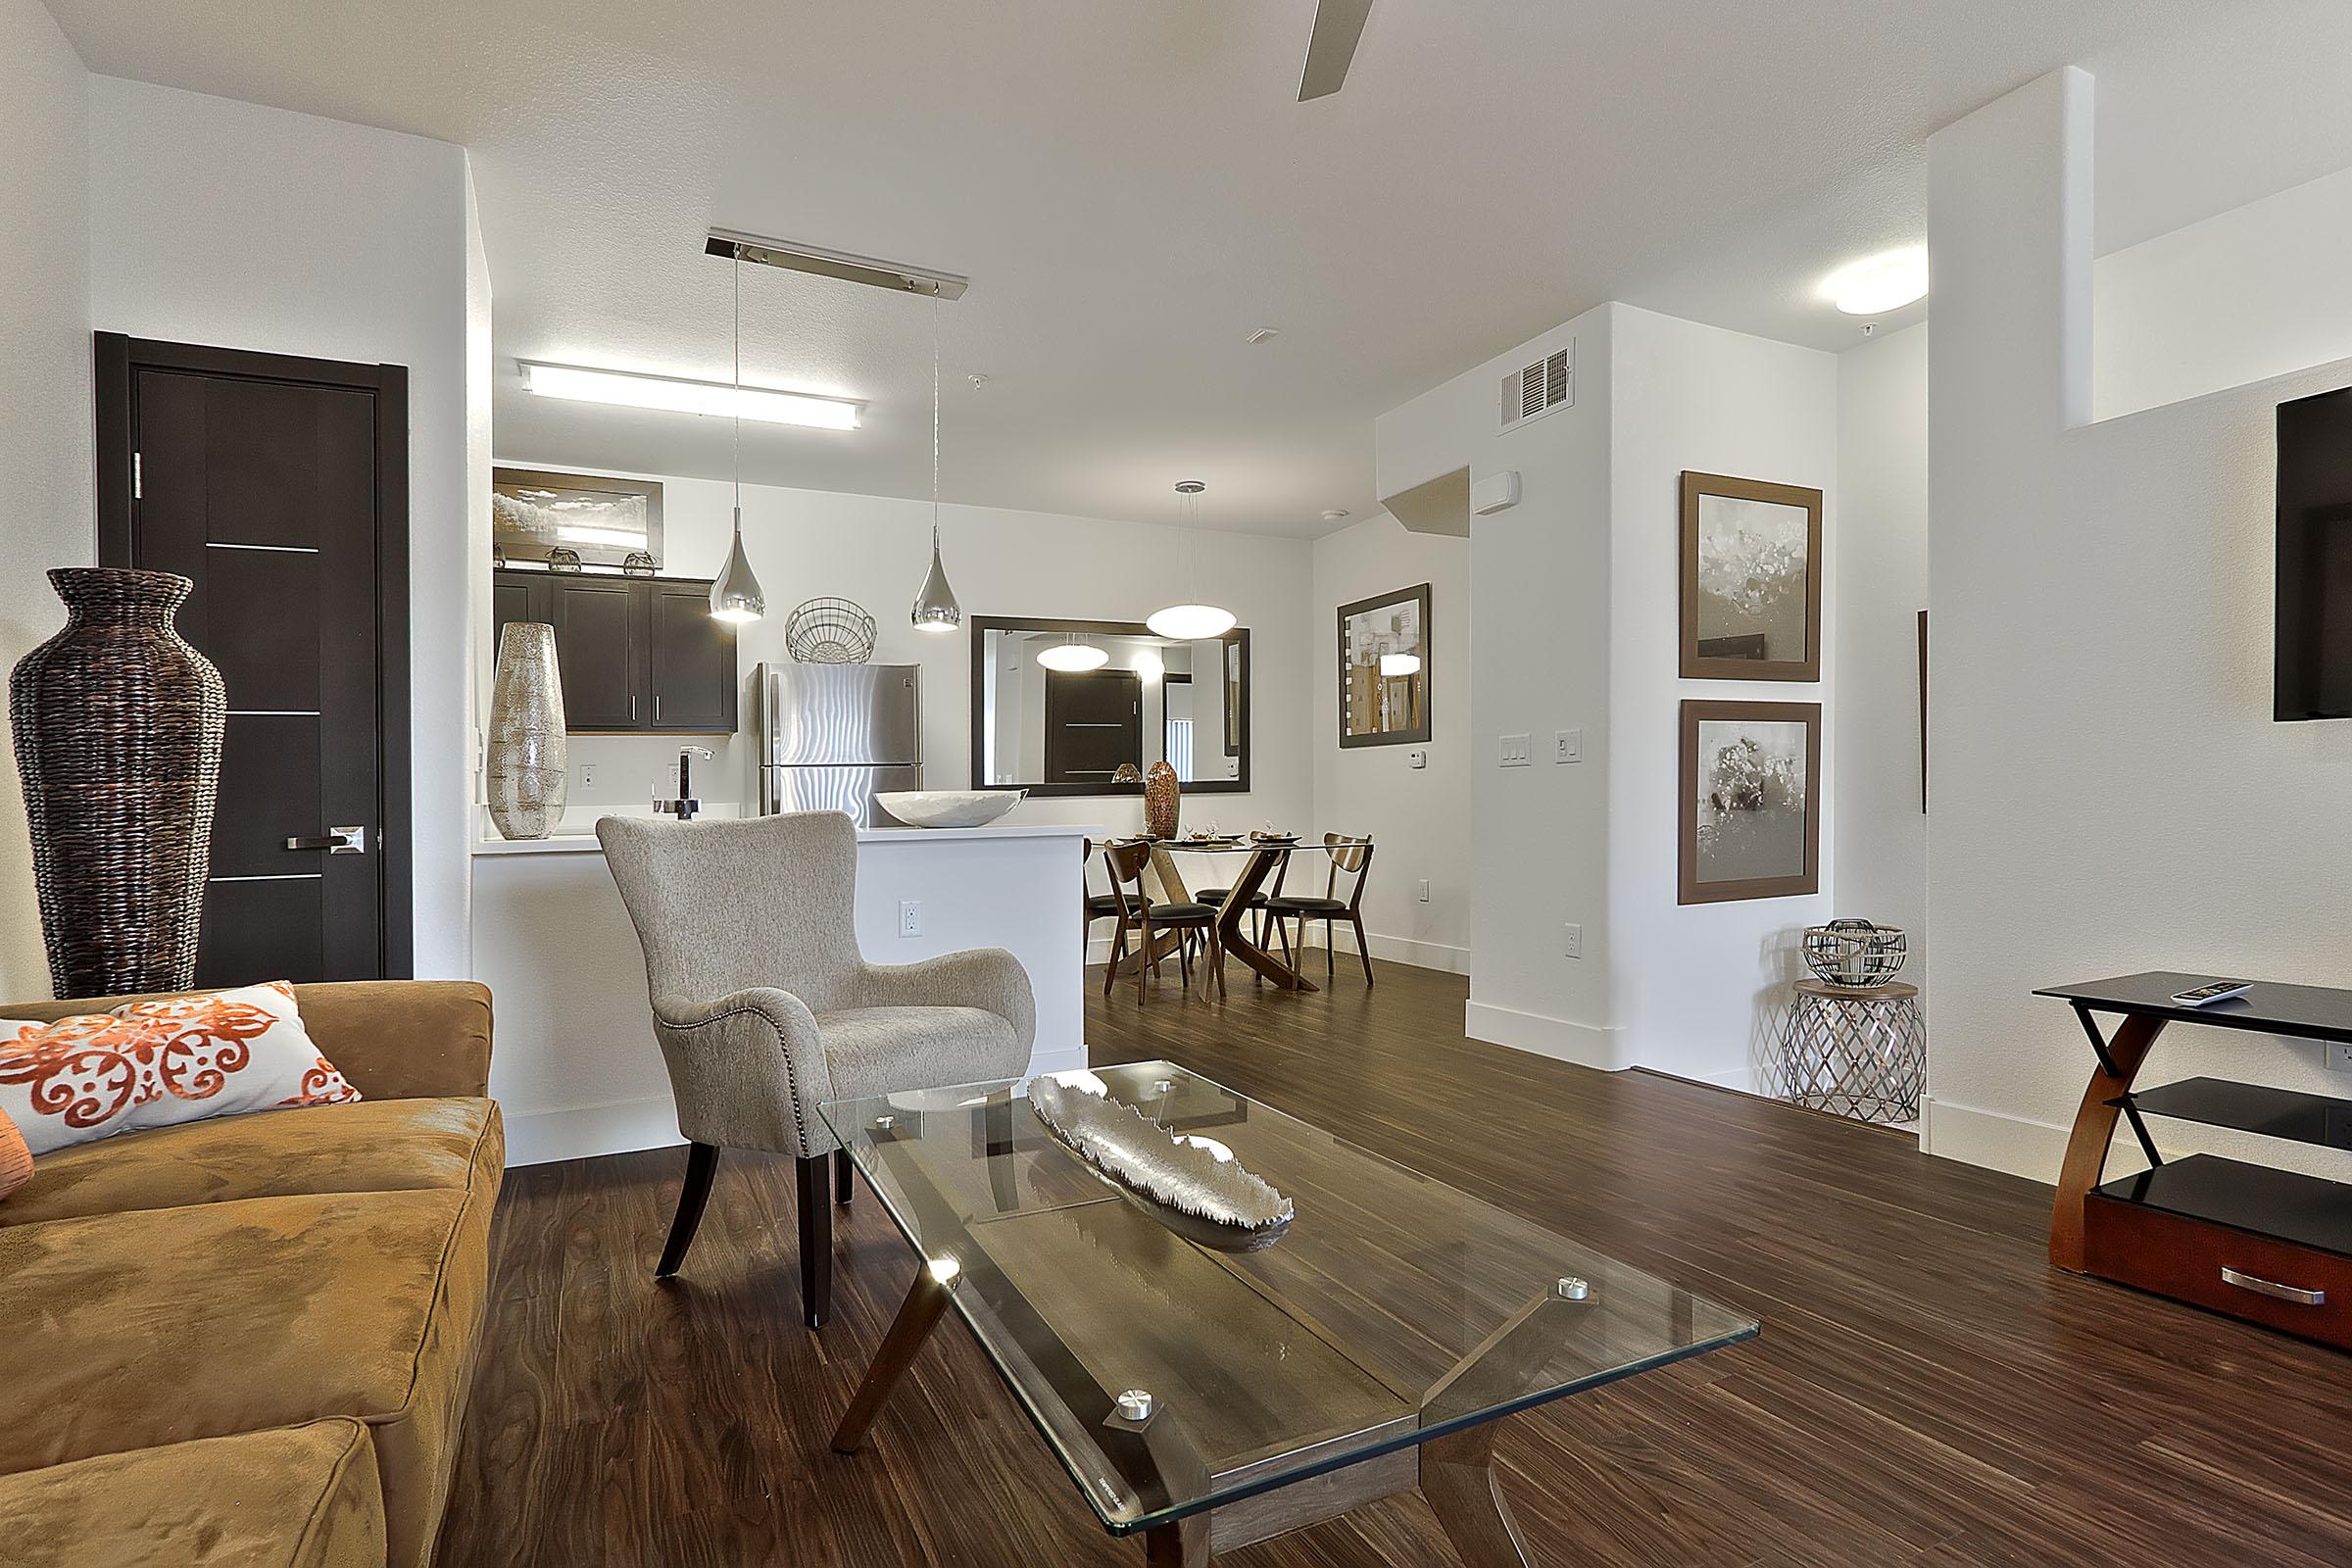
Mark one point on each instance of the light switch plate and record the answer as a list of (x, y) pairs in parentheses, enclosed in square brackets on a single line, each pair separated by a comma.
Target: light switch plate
[(1514, 751), (1573, 942), (910, 917), (1568, 746), (1422, 892)]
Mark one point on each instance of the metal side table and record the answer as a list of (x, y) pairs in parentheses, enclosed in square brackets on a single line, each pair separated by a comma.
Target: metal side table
[(1855, 1052)]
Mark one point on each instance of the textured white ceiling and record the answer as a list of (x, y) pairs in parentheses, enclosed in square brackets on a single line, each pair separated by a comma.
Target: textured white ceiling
[(1133, 188)]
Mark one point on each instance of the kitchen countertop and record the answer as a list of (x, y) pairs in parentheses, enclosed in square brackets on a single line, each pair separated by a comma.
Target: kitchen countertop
[(582, 841)]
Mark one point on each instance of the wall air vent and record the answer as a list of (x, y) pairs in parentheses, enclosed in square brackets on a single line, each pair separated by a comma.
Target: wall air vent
[(1535, 390)]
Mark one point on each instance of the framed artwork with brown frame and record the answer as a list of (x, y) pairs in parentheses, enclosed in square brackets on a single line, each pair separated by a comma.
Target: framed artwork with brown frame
[(1384, 648), (1751, 818), (1751, 579)]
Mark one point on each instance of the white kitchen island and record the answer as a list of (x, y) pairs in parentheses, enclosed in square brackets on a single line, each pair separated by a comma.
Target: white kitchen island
[(573, 1064)]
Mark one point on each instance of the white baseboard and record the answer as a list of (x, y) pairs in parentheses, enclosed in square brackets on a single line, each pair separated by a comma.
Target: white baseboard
[(2019, 1145), (1586, 1045), (540, 1138), (584, 1132)]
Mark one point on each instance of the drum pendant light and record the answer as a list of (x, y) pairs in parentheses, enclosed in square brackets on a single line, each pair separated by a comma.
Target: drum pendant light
[(735, 595), (1191, 622), (934, 607)]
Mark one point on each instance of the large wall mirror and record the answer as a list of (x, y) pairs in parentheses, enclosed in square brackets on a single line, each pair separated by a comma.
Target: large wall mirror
[(1083, 706)]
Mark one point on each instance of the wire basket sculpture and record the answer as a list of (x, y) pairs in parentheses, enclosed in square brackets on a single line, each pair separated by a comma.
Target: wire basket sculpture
[(829, 631), (1856, 954)]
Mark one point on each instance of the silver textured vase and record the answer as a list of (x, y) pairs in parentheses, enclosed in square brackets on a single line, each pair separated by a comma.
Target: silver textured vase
[(529, 757)]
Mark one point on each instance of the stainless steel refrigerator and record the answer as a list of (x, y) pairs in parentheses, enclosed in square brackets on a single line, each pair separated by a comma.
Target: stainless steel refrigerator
[(830, 737)]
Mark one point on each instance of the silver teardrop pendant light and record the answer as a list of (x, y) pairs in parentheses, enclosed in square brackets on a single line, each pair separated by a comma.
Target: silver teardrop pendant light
[(1194, 621), (736, 596), (934, 607)]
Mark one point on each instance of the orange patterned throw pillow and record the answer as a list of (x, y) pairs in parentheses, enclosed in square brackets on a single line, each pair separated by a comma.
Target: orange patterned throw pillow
[(158, 1064)]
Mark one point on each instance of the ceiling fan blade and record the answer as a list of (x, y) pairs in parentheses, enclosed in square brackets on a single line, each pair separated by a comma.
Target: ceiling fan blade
[(1339, 23)]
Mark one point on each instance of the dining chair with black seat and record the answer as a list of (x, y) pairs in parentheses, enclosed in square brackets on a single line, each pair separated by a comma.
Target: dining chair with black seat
[(1350, 857), (1098, 905), (1137, 914)]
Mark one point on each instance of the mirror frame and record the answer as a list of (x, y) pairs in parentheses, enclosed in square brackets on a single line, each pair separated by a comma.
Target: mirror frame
[(982, 625)]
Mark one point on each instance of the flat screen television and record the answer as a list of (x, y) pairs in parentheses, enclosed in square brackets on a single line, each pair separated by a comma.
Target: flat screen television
[(2312, 677)]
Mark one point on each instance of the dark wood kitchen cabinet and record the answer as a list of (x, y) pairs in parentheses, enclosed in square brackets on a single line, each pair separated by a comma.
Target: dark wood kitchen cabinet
[(638, 654)]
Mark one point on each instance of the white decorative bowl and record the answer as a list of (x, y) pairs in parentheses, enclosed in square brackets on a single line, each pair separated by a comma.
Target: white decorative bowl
[(949, 808)]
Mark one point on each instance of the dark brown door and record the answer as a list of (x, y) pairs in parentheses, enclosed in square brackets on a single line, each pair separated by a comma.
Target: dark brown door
[(1094, 722), (600, 649), (278, 487), (693, 662)]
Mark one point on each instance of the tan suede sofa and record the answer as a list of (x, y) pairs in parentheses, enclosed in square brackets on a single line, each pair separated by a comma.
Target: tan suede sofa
[(248, 1342)]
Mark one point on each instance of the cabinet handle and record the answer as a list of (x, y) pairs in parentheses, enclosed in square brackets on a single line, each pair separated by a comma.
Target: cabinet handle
[(2271, 1289), (632, 707), (657, 708)]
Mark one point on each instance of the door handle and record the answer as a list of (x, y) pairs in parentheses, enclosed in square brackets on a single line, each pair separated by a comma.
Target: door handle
[(335, 841)]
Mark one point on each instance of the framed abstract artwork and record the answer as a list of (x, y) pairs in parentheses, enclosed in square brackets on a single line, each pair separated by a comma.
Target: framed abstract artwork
[(1750, 823), (604, 521), (1384, 670), (1751, 579)]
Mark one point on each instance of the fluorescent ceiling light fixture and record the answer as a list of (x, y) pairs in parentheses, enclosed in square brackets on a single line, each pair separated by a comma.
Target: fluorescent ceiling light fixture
[(1393, 665), (1880, 283), (674, 395), (1072, 657)]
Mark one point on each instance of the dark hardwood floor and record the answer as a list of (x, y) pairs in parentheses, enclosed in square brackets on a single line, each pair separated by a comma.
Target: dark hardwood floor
[(1927, 1391)]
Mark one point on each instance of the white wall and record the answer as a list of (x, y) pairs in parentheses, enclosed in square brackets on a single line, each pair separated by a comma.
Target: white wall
[(44, 398), (1538, 663), (226, 223), (1419, 819), (2247, 294), (2110, 792), (1699, 989), (1882, 585)]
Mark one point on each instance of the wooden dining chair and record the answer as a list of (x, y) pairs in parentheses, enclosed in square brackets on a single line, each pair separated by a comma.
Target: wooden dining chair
[(1349, 857), (1096, 906), (1137, 913)]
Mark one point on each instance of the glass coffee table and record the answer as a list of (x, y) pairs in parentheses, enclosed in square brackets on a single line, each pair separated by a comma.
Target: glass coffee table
[(1212, 1398)]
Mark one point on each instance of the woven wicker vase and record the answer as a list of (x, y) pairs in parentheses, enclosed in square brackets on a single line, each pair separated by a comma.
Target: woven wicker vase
[(1163, 800), (529, 761), (118, 724)]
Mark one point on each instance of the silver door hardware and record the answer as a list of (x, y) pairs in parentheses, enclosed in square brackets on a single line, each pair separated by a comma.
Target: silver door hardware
[(138, 476), (335, 841), (2271, 1289)]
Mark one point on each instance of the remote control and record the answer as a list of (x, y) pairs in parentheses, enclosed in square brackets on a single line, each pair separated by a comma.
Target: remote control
[(2211, 992)]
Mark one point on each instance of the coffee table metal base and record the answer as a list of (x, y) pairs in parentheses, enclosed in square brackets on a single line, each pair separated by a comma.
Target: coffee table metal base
[(1454, 1473)]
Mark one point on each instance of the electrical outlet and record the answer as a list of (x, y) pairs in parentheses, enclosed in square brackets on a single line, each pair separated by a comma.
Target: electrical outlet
[(1572, 943), (587, 775), (910, 917), (2339, 1055), (1422, 890), (1416, 758), (1514, 751), (1568, 746)]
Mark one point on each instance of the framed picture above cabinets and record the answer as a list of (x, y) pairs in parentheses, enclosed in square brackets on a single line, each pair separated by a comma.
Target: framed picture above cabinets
[(637, 655)]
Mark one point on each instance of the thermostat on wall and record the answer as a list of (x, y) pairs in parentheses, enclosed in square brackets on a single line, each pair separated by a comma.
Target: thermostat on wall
[(1494, 493)]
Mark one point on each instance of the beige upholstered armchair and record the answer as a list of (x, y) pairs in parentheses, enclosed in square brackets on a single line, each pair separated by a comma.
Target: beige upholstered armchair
[(764, 1008)]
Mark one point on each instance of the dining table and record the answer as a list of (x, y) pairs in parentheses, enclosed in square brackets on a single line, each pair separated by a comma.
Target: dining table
[(1258, 859)]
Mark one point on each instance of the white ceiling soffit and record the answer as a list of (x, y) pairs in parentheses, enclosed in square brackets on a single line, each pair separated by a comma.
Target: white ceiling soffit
[(1134, 188)]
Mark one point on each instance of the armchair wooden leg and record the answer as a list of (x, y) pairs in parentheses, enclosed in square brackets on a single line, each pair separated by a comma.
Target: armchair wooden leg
[(1144, 959), (701, 1163), (1363, 948), (1119, 951), (816, 1238), (1216, 958), (842, 1170), (1327, 959)]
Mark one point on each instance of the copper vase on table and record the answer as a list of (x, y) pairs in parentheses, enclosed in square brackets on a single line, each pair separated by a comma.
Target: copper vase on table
[(1163, 800)]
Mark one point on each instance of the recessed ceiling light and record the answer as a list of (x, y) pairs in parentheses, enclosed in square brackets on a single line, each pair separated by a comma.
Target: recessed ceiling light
[(1880, 283), (675, 395), (1264, 334), (1335, 513)]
